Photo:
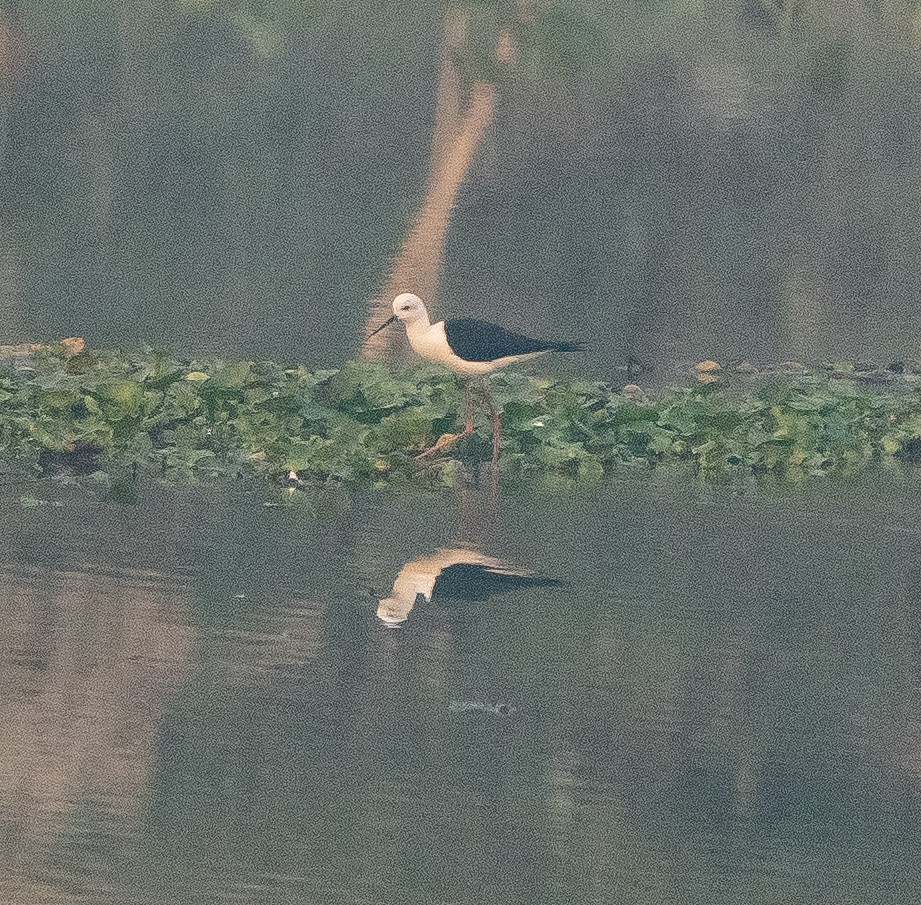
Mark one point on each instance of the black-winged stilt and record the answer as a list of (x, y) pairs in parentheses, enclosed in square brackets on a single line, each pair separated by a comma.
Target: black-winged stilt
[(473, 348), (453, 573)]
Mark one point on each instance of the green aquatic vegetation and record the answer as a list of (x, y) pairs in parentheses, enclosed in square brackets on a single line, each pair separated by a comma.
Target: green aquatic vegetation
[(113, 415)]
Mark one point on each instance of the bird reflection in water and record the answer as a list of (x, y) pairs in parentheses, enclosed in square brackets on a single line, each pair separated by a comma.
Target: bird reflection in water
[(456, 573)]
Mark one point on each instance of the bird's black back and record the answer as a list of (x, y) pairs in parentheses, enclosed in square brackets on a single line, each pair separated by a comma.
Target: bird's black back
[(476, 340), (472, 581)]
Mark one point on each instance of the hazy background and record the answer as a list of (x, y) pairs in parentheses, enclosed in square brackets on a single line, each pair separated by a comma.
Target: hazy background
[(672, 178)]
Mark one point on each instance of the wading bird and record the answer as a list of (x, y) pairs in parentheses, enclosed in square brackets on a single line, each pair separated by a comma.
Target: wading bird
[(472, 348), (457, 573)]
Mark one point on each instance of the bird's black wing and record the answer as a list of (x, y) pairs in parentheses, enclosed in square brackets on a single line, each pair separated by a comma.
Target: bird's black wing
[(476, 340), (472, 581)]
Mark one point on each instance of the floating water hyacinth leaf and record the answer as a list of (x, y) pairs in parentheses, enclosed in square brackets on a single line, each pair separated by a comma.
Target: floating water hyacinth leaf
[(631, 411), (59, 400), (119, 398), (365, 424), (156, 368), (303, 454), (403, 431), (233, 376)]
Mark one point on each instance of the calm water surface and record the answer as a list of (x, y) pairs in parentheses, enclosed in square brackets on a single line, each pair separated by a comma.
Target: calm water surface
[(721, 703)]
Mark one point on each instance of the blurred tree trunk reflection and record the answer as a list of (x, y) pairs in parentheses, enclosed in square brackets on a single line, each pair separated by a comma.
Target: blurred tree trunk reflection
[(804, 298), (90, 661), (12, 63), (459, 129)]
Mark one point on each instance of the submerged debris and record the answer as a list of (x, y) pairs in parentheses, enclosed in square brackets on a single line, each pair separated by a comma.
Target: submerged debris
[(73, 345), (481, 707), (707, 371)]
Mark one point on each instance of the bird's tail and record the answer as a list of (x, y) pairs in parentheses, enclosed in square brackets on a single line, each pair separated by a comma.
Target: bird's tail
[(570, 347)]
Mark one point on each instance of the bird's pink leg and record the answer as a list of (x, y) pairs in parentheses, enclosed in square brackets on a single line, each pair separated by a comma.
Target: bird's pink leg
[(446, 441), (468, 409)]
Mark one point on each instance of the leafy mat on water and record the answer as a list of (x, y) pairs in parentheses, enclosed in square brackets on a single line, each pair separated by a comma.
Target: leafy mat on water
[(92, 412)]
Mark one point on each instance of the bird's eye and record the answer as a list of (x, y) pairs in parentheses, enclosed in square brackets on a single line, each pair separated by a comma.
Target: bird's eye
[(406, 308)]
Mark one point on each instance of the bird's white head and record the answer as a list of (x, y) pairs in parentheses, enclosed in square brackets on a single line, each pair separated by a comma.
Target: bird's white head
[(392, 611), (408, 307)]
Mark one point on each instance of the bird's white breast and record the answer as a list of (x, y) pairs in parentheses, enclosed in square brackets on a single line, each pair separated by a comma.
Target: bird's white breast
[(431, 342)]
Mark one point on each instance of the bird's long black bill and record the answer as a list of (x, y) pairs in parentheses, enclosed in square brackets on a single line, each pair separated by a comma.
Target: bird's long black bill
[(386, 323)]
